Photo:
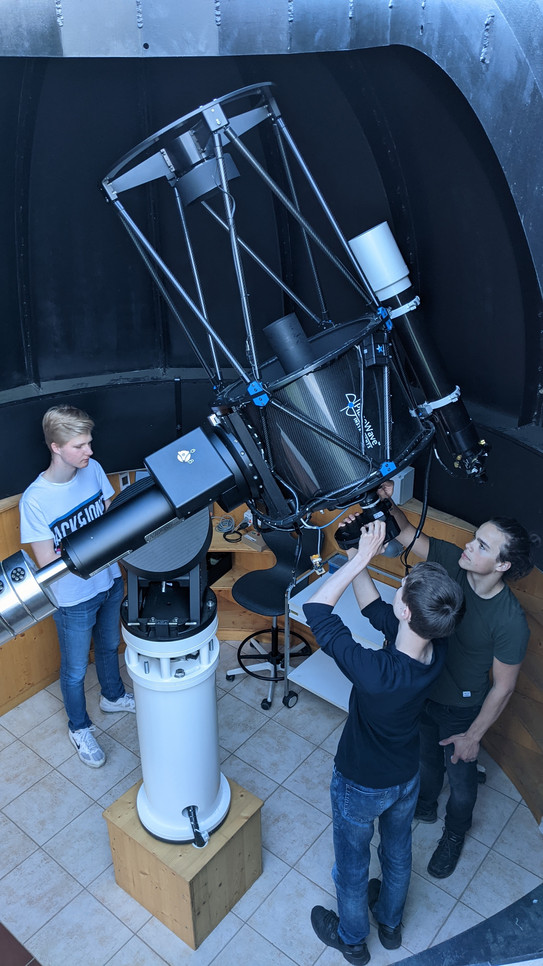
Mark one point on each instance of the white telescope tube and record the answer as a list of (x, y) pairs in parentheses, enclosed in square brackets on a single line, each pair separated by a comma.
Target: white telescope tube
[(381, 261)]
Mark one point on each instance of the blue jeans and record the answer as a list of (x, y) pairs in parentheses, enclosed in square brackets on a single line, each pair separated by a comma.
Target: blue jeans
[(354, 810), (97, 619), (441, 721)]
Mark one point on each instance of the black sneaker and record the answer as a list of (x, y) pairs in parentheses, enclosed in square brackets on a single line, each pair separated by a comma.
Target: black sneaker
[(426, 815), (390, 938), (446, 855), (325, 924)]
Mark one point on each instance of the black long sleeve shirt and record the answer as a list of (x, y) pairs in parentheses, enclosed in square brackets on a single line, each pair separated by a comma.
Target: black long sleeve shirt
[(379, 746)]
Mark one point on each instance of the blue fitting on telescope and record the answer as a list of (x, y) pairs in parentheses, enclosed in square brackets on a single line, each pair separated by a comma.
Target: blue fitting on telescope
[(385, 317), (387, 467), (256, 390)]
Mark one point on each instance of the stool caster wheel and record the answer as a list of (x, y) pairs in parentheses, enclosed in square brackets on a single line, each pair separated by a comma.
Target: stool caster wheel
[(290, 699), (229, 677), (265, 704)]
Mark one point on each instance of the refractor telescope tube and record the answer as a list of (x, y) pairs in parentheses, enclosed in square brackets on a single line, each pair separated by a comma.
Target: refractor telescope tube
[(381, 261)]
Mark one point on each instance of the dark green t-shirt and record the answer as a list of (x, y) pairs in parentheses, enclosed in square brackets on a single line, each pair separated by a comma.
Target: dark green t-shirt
[(494, 628)]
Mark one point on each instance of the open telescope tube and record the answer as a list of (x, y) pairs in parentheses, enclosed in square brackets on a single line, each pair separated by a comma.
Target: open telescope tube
[(340, 417)]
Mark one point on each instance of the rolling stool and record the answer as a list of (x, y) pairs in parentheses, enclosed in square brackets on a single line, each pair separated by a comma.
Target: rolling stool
[(267, 592)]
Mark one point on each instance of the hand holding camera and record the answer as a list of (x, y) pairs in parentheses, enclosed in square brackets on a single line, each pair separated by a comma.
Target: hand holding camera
[(348, 534)]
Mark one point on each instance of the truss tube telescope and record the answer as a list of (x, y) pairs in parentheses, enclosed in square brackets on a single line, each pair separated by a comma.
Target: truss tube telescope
[(332, 413)]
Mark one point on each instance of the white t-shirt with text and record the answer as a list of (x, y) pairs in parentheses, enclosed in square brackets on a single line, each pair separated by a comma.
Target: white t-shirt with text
[(54, 510)]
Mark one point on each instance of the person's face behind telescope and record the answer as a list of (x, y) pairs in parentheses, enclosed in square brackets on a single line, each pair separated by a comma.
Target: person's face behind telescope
[(481, 553), (76, 453)]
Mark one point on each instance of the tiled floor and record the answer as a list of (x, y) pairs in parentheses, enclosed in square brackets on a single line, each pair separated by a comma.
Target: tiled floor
[(58, 895)]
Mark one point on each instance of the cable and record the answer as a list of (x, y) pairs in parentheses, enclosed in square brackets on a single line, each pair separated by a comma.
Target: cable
[(405, 552), (235, 535), (232, 536), (455, 476), (225, 525)]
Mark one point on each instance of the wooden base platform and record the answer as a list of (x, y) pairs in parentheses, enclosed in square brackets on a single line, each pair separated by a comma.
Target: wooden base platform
[(190, 890)]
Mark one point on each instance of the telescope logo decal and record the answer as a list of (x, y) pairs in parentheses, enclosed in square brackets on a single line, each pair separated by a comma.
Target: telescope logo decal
[(185, 455), (352, 409)]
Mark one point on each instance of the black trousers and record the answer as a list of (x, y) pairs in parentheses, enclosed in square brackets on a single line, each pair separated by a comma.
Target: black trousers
[(442, 721)]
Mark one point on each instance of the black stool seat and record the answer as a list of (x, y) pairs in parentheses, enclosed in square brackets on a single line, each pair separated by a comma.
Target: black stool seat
[(262, 653)]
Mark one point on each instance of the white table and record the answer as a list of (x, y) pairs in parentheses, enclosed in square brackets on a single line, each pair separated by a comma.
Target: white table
[(320, 673)]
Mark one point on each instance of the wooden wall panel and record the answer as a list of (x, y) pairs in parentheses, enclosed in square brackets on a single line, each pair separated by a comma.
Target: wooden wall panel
[(530, 679), (30, 661)]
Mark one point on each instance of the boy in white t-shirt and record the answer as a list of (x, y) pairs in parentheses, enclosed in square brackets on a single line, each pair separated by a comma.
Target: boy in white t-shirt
[(72, 492)]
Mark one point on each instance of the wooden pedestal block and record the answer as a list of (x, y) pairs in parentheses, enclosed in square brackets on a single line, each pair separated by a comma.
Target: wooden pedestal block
[(190, 890)]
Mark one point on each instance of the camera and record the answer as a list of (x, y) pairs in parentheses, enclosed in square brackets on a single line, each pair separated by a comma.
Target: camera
[(348, 535)]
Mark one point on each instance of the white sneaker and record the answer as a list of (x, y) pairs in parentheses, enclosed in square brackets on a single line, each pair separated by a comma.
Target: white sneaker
[(87, 747), (124, 703)]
